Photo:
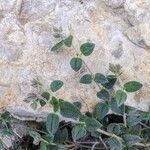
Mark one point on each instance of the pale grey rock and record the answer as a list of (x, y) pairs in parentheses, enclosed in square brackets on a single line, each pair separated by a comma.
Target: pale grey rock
[(140, 35), (114, 3), (26, 37), (138, 11)]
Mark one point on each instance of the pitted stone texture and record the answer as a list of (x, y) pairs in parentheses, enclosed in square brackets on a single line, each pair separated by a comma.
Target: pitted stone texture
[(114, 3), (138, 11), (26, 37)]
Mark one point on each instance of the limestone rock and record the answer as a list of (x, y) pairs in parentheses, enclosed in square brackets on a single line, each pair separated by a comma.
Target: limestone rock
[(26, 37), (138, 11), (140, 35), (114, 3)]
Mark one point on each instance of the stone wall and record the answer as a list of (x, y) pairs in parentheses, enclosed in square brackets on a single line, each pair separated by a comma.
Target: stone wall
[(119, 28)]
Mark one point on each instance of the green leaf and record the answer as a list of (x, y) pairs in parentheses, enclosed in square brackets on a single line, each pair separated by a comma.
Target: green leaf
[(103, 94), (78, 132), (91, 123), (101, 110), (100, 78), (120, 97), (43, 146), (35, 135), (78, 104), (61, 135), (42, 102), (86, 79), (132, 86), (87, 48), (56, 85), (55, 104), (46, 95), (76, 64), (52, 123), (133, 120), (131, 139), (145, 116), (146, 134), (115, 108), (111, 81), (114, 128), (48, 138), (57, 46), (68, 41), (1, 147), (69, 110), (114, 144), (34, 105), (115, 68)]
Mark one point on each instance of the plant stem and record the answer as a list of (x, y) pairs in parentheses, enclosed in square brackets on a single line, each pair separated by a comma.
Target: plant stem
[(92, 74), (124, 116), (103, 142), (119, 138)]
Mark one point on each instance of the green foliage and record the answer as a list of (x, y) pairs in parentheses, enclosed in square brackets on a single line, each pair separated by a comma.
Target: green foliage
[(101, 110), (61, 135), (114, 144), (57, 46), (69, 110), (111, 123), (68, 41), (120, 97), (86, 79), (111, 81), (132, 86), (131, 139), (76, 64), (87, 48), (103, 94), (100, 78), (56, 85), (52, 123), (78, 132), (55, 103)]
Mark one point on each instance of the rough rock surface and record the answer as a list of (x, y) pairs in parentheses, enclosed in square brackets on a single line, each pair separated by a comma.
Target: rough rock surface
[(119, 28)]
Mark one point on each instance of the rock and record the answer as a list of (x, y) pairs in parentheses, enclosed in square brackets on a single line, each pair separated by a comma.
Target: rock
[(26, 37), (138, 11), (140, 35), (114, 3)]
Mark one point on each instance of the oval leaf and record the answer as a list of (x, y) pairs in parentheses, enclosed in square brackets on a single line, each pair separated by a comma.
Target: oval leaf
[(61, 135), (46, 95), (111, 81), (114, 144), (87, 48), (55, 104), (69, 110), (131, 139), (86, 79), (52, 123), (57, 46), (132, 86), (56, 85), (101, 110), (91, 123), (120, 97), (76, 64), (114, 128), (78, 132), (100, 78), (68, 41), (103, 94)]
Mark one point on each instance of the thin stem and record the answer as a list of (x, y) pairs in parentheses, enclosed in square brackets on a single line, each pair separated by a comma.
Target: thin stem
[(92, 74), (103, 142), (120, 139), (124, 116)]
